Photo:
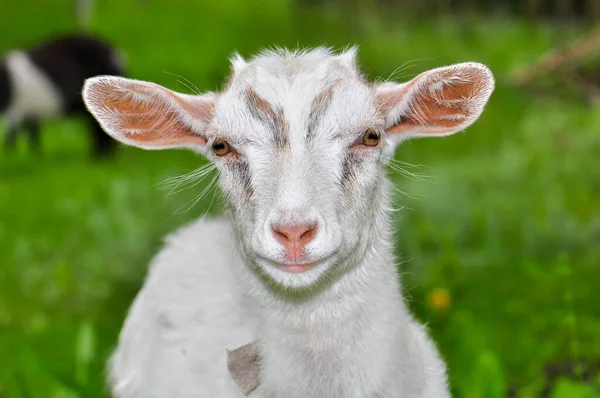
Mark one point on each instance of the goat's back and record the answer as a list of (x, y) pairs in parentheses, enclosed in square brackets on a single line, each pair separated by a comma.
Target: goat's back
[(68, 60)]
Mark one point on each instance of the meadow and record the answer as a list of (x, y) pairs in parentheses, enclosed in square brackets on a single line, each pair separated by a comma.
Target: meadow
[(498, 240)]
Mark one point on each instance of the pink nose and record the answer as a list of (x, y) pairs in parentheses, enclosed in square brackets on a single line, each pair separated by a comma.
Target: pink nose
[(294, 237)]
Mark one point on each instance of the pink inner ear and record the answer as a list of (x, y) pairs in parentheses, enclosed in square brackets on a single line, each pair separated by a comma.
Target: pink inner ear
[(440, 101), (148, 115)]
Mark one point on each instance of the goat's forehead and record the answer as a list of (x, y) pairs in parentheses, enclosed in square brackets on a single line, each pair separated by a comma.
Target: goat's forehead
[(297, 89), (316, 63)]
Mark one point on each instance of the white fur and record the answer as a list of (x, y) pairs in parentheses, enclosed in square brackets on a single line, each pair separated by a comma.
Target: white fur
[(338, 330), (34, 95), (192, 291)]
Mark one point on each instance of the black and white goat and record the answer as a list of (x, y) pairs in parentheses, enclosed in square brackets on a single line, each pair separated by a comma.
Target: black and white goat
[(45, 81)]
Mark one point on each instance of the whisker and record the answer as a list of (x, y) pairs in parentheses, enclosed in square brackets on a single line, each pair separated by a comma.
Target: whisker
[(406, 194), (409, 174), (215, 192), (186, 184), (177, 180), (404, 163), (179, 183), (199, 196), (399, 69), (406, 76), (187, 83), (408, 64)]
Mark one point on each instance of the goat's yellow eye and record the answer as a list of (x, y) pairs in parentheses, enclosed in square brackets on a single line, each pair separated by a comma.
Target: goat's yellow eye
[(220, 147), (371, 138)]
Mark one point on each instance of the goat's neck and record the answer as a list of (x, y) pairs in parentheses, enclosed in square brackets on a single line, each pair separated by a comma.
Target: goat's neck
[(348, 308), (356, 320)]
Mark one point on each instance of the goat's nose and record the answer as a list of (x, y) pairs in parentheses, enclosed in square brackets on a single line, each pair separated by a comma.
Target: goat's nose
[(294, 236)]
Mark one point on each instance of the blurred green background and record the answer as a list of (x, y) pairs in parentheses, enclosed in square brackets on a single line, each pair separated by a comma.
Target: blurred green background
[(499, 237)]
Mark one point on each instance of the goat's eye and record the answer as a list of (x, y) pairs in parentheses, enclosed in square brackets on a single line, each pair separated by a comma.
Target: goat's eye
[(220, 147), (371, 138)]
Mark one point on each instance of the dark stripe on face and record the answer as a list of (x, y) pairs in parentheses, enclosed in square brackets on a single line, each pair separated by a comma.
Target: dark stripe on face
[(273, 119), (318, 108), (242, 172), (351, 162)]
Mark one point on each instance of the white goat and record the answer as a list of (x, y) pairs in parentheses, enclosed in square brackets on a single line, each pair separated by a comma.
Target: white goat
[(303, 263)]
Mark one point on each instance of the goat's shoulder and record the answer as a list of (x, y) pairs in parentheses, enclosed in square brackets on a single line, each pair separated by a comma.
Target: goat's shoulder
[(202, 238), (187, 314), (193, 261)]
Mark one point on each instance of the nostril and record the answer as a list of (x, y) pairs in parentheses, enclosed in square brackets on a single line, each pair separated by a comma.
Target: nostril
[(293, 234), (308, 234), (281, 236)]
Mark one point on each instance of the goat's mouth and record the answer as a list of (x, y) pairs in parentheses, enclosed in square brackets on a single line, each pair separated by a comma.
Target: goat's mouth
[(295, 268), (306, 265)]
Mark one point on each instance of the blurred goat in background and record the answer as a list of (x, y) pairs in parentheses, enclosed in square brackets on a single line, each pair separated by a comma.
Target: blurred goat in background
[(45, 81)]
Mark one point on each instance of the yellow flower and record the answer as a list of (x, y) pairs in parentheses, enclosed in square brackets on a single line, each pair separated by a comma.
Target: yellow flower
[(439, 299)]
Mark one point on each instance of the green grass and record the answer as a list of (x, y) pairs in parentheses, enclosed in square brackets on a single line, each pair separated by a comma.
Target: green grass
[(505, 219)]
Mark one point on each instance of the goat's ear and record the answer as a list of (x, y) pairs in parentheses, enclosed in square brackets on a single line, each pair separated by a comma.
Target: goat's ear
[(439, 102), (147, 115)]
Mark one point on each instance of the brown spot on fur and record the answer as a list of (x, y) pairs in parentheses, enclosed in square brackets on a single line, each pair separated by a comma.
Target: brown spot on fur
[(243, 364), (262, 111), (319, 107)]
